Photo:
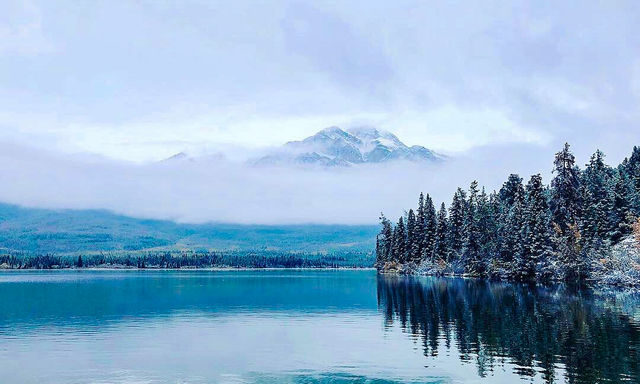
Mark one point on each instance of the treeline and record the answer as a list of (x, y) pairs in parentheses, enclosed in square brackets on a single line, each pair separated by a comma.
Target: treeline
[(174, 260), (564, 231)]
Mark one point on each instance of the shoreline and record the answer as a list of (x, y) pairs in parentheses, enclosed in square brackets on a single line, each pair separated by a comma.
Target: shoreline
[(218, 269), (593, 284)]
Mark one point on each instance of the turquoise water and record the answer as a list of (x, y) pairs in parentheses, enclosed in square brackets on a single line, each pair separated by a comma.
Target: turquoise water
[(307, 327)]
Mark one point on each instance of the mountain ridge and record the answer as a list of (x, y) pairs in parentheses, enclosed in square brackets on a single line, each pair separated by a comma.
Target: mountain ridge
[(334, 146)]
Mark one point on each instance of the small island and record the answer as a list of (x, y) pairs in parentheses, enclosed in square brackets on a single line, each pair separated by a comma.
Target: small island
[(582, 228)]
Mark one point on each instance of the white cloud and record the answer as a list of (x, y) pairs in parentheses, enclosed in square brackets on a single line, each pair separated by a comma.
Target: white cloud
[(21, 28), (169, 77), (453, 129), (222, 191)]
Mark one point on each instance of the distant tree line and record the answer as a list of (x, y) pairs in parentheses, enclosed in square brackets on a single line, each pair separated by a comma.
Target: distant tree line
[(187, 259), (523, 231)]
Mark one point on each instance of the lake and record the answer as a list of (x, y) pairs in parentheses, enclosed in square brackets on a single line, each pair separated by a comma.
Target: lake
[(308, 326)]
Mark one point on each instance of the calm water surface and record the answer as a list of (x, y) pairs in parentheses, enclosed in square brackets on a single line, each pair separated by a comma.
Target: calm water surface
[(308, 327)]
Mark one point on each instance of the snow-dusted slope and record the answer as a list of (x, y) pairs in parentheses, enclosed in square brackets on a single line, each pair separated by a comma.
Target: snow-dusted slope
[(336, 147)]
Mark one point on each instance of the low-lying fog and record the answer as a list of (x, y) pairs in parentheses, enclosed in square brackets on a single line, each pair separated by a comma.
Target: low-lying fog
[(217, 190)]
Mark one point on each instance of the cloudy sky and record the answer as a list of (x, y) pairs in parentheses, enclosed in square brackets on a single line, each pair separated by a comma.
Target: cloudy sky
[(142, 80)]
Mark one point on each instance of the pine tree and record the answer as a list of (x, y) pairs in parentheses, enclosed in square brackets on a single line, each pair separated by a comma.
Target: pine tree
[(413, 238), (565, 203), (511, 190), (400, 242), (565, 190), (598, 201), (621, 215), (420, 226), (471, 248), (488, 211), (572, 265), (441, 250), (631, 169), (535, 260), (384, 242), (457, 213), (429, 237), (511, 224)]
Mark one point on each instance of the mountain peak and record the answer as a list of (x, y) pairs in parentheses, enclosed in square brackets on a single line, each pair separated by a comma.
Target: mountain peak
[(334, 146), (365, 131)]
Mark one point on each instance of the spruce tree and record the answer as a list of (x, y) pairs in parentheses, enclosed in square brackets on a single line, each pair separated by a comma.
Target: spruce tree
[(429, 237), (511, 224), (457, 213), (597, 195), (471, 248), (511, 190), (400, 242), (384, 242), (441, 250), (488, 211), (420, 225), (413, 238), (631, 169), (621, 214), (565, 190), (535, 260)]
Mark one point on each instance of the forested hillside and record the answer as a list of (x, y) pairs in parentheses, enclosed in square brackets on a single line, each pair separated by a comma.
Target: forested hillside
[(42, 231), (578, 228), (44, 238)]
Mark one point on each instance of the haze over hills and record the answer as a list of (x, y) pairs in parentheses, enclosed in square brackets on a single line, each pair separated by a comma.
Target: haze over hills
[(45, 231)]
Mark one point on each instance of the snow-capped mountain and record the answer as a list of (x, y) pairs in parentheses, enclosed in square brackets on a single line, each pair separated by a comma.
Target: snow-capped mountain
[(336, 147)]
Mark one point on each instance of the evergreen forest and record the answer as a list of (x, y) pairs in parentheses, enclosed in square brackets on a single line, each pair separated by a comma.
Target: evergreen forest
[(580, 228)]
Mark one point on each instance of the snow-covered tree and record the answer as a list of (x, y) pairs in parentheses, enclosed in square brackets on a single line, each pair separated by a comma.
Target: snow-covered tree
[(413, 238), (420, 225), (565, 190), (399, 250), (457, 214), (429, 238), (563, 231), (441, 248), (597, 198), (621, 215), (384, 242), (471, 248), (535, 260)]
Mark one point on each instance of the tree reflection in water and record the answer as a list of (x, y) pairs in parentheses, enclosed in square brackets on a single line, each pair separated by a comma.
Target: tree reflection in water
[(557, 333)]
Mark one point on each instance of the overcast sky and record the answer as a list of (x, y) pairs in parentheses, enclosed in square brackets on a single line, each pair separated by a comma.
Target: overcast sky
[(499, 85), (141, 80)]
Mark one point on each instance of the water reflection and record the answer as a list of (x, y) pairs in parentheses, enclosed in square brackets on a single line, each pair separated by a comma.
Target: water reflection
[(554, 334), (168, 327), (31, 300)]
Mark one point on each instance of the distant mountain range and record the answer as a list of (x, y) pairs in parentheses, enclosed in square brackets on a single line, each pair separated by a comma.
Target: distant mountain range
[(336, 147), (45, 231)]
